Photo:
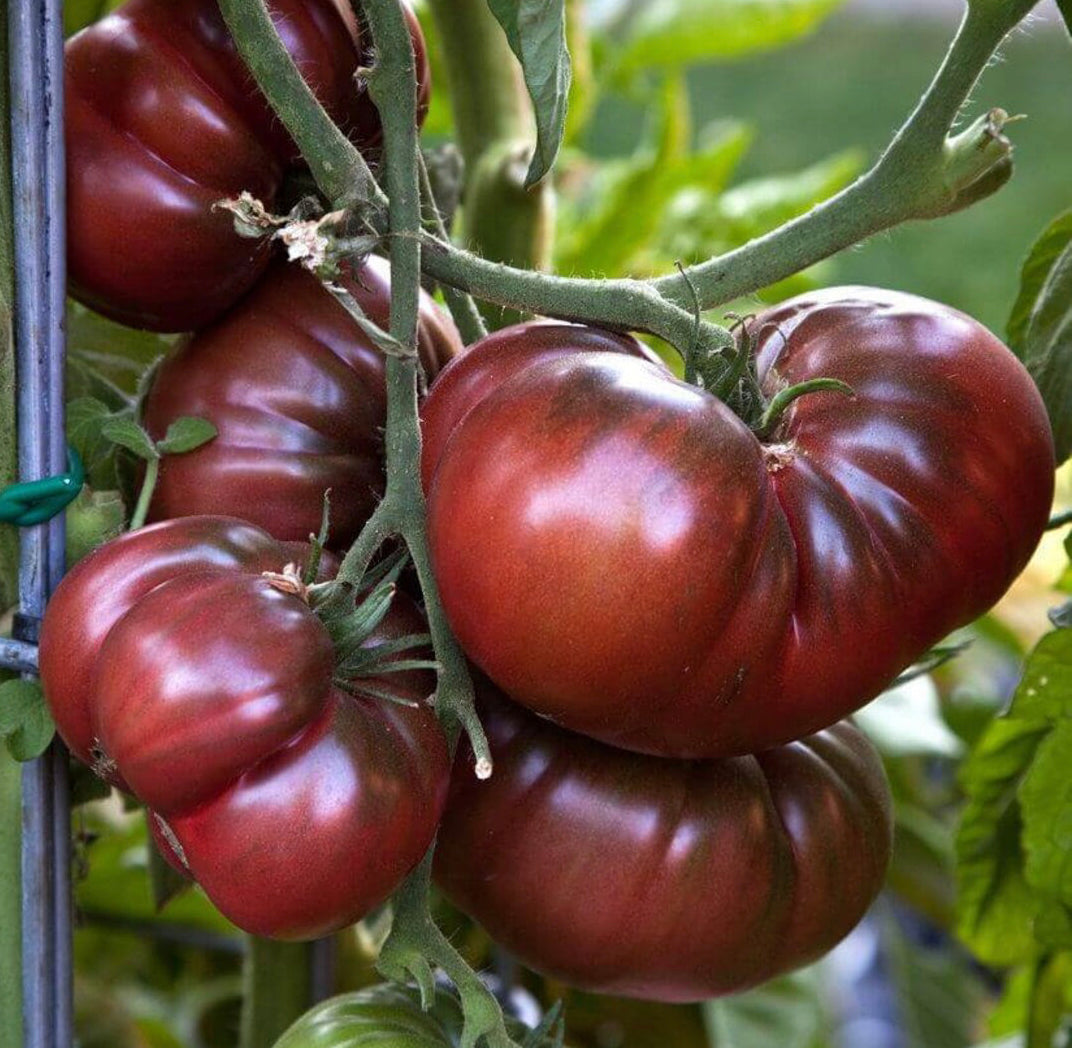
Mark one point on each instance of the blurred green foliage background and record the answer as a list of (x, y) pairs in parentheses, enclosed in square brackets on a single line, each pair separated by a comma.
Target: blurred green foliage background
[(852, 83)]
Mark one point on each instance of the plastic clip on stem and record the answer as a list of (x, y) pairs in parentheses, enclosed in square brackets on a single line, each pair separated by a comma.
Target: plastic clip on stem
[(36, 501)]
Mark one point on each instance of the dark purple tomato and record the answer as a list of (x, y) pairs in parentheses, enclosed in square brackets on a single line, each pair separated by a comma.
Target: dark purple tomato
[(296, 391), (671, 880), (164, 121), (181, 673), (619, 551)]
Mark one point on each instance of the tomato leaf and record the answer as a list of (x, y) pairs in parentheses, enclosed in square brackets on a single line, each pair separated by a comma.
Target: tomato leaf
[(119, 353), (1046, 800), (673, 34), (86, 417), (536, 30), (1040, 328), (1011, 853), (124, 431), (186, 434), (1036, 268), (25, 722), (1036, 997), (787, 1011)]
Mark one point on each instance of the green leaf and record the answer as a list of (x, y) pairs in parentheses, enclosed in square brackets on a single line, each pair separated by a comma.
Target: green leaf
[(77, 14), (625, 203), (115, 351), (1044, 695), (124, 431), (1040, 328), (536, 30), (186, 434), (1036, 268), (117, 885), (995, 906), (86, 417), (787, 1012), (699, 223), (672, 34), (1046, 800), (1036, 998), (25, 723), (1011, 855)]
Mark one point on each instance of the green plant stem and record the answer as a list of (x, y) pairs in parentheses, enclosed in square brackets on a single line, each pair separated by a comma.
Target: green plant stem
[(487, 91), (501, 219), (145, 496), (410, 957), (918, 176), (276, 989), (462, 308), (402, 511), (337, 167)]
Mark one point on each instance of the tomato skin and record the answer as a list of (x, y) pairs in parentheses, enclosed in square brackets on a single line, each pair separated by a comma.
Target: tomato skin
[(163, 121), (171, 664), (669, 880), (676, 586), (297, 393), (499, 356)]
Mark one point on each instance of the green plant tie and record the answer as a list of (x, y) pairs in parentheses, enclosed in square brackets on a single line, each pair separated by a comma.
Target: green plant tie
[(36, 501)]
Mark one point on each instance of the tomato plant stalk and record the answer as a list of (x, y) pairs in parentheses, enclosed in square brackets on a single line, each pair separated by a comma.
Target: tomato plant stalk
[(922, 174), (502, 219)]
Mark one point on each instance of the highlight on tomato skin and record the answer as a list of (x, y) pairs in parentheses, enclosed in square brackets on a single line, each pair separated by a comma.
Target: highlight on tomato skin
[(297, 394), (619, 552), (163, 121), (182, 674), (661, 879)]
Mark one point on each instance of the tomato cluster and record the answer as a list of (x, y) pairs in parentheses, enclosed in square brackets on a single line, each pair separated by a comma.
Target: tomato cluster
[(182, 661), (673, 610)]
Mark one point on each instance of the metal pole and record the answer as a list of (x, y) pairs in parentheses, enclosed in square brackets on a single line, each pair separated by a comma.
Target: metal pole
[(36, 45)]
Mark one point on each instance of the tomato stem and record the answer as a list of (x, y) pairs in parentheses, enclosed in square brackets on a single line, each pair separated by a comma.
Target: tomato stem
[(780, 402), (277, 981), (462, 308), (145, 496), (415, 943), (336, 165), (916, 177)]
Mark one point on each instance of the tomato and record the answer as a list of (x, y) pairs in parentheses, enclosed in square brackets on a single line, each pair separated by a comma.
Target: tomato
[(383, 1016), (643, 876), (163, 121), (622, 554), (296, 391), (178, 671)]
